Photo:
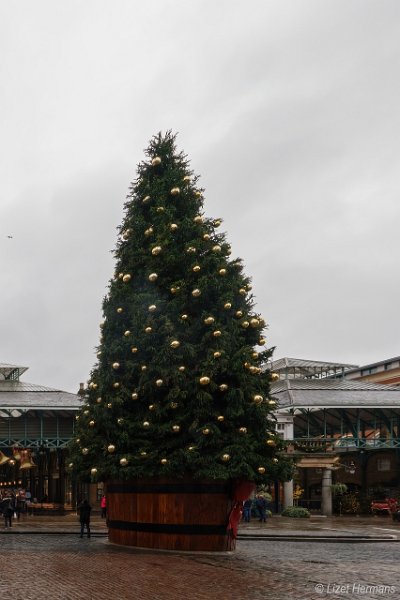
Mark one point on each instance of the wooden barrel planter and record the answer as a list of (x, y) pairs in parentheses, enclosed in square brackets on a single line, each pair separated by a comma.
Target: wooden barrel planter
[(180, 514)]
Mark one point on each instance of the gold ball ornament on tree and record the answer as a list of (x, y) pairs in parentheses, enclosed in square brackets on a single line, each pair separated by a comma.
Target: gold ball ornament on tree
[(206, 237), (271, 402), (175, 191), (261, 342), (134, 349), (217, 248), (220, 418), (93, 471), (85, 412), (217, 333), (116, 385), (173, 227), (187, 179), (120, 310), (205, 431), (242, 291), (156, 250), (146, 200), (226, 457), (258, 399), (163, 461), (198, 219), (196, 293), (271, 443), (160, 209), (99, 400), (156, 161), (274, 376), (175, 344), (148, 330), (143, 453), (173, 405), (143, 368), (254, 322), (148, 231), (222, 272), (184, 317), (159, 382), (116, 365), (243, 430), (227, 305), (123, 462), (181, 368), (126, 278), (217, 354), (245, 324), (135, 396), (191, 250), (85, 451), (120, 421), (217, 222), (176, 428), (196, 269), (204, 380), (152, 406), (209, 320), (153, 277), (261, 470), (109, 405), (152, 308), (92, 423), (146, 424), (239, 314), (127, 333), (275, 460), (223, 387), (111, 448)]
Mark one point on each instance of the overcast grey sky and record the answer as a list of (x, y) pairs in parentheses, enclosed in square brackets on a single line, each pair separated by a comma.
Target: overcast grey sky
[(288, 109)]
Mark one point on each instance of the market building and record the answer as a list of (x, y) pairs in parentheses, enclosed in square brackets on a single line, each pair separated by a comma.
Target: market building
[(341, 428), (36, 426)]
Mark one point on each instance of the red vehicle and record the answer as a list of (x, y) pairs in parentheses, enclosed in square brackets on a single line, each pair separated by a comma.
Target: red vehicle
[(389, 505)]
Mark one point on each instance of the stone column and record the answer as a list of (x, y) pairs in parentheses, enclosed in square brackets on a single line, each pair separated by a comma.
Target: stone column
[(326, 506), (287, 493)]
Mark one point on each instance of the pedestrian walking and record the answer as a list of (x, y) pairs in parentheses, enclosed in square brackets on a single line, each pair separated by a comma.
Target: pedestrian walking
[(103, 506), (261, 505), (8, 513), (247, 510), (84, 510)]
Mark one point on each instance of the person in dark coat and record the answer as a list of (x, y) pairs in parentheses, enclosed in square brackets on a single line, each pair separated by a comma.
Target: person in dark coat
[(8, 512), (261, 505), (84, 510)]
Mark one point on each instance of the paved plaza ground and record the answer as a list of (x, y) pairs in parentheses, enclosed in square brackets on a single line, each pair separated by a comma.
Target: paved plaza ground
[(44, 557)]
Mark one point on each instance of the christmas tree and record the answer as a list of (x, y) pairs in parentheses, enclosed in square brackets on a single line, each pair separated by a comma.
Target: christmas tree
[(179, 387)]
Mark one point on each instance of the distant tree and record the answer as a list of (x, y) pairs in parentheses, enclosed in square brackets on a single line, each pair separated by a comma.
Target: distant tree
[(179, 387)]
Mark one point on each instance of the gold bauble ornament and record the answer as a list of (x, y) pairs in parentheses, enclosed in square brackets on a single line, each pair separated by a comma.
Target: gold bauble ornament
[(217, 222), (271, 443), (196, 268), (190, 448), (92, 423), (254, 322), (196, 293), (173, 227), (143, 453), (152, 406), (159, 382), (209, 320), (160, 209), (93, 470), (271, 402), (102, 324), (143, 368), (148, 231), (191, 250), (99, 400), (217, 333), (216, 248), (223, 387), (205, 431), (123, 462), (98, 354), (173, 290), (85, 451), (176, 428), (153, 277), (245, 324), (249, 288), (126, 233), (222, 272), (163, 461), (77, 418), (146, 424), (135, 396), (198, 219), (120, 310), (217, 354), (227, 305), (261, 470), (206, 237), (152, 308), (120, 420), (173, 405), (109, 404), (85, 412), (156, 161), (198, 194), (175, 344), (242, 429), (146, 200), (156, 250), (226, 457), (257, 399), (184, 317), (70, 465), (111, 448), (116, 365), (242, 291), (134, 349), (204, 380), (186, 179), (175, 191), (126, 278), (220, 418), (181, 368), (148, 330), (116, 385), (127, 333), (254, 355), (274, 376), (275, 460), (261, 342), (239, 314)]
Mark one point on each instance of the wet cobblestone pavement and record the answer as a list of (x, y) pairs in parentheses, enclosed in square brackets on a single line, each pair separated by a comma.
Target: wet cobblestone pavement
[(61, 566)]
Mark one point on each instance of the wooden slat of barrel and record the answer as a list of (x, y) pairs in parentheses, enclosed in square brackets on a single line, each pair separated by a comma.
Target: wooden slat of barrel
[(170, 514)]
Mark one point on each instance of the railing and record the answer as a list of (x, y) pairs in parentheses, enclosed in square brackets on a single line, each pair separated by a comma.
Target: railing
[(343, 444), (34, 442)]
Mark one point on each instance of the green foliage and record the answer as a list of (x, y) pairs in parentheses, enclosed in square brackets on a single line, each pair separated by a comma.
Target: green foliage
[(297, 512), (178, 310), (338, 488)]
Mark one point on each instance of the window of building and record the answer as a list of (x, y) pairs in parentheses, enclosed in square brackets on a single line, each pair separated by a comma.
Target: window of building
[(383, 464)]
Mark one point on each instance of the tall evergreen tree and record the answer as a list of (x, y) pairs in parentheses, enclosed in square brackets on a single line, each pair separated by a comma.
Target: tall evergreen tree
[(179, 388)]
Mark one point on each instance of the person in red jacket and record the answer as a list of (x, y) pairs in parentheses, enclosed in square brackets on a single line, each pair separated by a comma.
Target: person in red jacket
[(103, 506)]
